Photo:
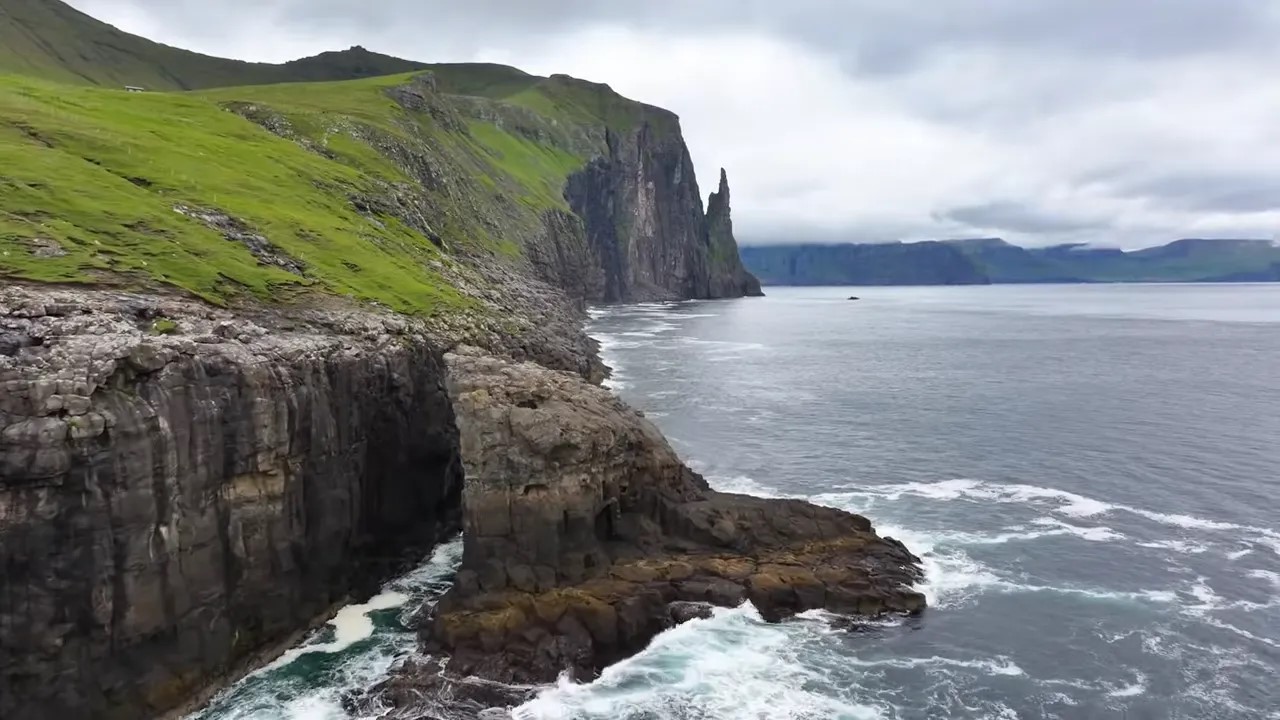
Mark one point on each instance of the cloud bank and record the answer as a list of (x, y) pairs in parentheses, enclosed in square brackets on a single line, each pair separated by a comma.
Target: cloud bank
[(1117, 123)]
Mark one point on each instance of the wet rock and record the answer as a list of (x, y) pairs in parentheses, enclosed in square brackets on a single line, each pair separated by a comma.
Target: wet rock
[(683, 612), (563, 475), (168, 508)]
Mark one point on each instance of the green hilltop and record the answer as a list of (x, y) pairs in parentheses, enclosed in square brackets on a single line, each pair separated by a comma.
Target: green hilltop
[(359, 188), (52, 40)]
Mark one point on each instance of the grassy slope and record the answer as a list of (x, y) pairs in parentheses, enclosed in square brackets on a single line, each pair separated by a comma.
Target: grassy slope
[(51, 40), (100, 171)]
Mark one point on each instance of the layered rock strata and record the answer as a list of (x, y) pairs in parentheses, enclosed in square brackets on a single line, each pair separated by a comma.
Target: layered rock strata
[(181, 486), (585, 536)]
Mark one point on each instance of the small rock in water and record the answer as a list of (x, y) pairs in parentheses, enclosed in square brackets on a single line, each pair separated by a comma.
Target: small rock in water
[(854, 297), (683, 612)]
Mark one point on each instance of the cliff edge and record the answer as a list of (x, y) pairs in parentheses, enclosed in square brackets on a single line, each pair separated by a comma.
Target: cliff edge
[(585, 536)]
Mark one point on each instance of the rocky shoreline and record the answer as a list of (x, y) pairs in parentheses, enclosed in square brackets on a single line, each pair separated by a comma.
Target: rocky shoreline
[(585, 536), (184, 486)]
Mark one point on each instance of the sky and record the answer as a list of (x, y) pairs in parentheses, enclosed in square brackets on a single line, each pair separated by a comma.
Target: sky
[(1122, 123)]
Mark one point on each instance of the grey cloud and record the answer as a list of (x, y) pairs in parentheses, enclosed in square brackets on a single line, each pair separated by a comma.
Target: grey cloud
[(1017, 217), (1142, 118), (1209, 191), (874, 35)]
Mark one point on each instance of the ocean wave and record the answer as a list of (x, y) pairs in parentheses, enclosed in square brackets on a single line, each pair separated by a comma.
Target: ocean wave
[(1184, 547), (1134, 689), (1000, 665), (741, 485), (951, 576), (357, 653), (699, 668), (1058, 501), (726, 344)]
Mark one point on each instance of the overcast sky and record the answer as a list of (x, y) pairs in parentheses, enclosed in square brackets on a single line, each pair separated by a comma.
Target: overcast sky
[(1117, 122)]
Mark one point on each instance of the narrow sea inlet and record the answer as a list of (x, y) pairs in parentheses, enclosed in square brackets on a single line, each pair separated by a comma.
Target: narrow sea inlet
[(1086, 471)]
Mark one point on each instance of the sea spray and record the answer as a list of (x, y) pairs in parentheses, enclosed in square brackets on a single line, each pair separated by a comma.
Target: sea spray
[(356, 649)]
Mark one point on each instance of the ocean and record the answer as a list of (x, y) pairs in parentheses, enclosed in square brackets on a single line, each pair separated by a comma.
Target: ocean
[(1089, 474)]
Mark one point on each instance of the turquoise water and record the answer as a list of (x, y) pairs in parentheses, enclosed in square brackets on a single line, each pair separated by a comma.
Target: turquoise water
[(350, 654)]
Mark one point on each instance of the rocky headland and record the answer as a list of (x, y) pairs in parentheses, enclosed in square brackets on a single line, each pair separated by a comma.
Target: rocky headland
[(585, 535), (266, 347)]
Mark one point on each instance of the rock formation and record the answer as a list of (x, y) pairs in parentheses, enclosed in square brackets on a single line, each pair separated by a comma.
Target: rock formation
[(645, 223), (585, 536), (181, 486)]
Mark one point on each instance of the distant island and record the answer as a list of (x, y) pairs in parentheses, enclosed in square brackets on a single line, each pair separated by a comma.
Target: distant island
[(982, 261)]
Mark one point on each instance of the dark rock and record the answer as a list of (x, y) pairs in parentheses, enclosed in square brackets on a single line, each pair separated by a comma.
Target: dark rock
[(168, 510), (645, 225), (237, 230), (562, 475), (855, 297), (683, 612)]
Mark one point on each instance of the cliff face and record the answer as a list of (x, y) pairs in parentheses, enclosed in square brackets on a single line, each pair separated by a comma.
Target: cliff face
[(645, 224), (585, 535), (170, 504), (1187, 260), (925, 263)]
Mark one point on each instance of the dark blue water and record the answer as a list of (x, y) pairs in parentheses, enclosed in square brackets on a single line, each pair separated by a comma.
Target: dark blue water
[(1088, 472)]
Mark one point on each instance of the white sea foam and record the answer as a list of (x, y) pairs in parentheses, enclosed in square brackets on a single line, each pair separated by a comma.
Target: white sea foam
[(700, 669), (1092, 534), (1134, 689), (1269, 576), (1057, 501), (723, 344), (1209, 601), (366, 655), (1184, 547), (999, 665), (953, 577), (350, 625), (742, 485)]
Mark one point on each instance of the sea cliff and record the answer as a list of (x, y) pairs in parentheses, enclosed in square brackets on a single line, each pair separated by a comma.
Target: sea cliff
[(226, 405)]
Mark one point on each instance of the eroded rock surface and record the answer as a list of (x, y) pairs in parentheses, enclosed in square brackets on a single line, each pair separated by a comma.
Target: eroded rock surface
[(585, 536), (181, 486)]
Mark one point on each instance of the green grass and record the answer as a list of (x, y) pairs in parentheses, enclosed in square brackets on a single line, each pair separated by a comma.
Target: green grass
[(100, 172), (164, 326), (51, 40), (338, 178), (98, 175), (538, 172)]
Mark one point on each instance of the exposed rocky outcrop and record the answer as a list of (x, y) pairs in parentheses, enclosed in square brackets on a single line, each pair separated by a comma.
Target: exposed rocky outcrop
[(727, 275), (585, 536), (181, 486), (645, 225)]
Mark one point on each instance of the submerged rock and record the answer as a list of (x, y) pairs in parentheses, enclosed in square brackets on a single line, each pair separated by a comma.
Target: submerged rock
[(585, 536)]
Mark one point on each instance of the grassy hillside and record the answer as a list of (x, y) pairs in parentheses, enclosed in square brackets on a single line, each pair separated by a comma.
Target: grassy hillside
[(336, 188), (50, 39)]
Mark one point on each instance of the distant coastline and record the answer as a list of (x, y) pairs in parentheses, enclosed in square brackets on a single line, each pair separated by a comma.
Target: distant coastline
[(983, 261)]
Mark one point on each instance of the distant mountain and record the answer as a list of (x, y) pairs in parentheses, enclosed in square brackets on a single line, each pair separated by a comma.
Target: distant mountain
[(983, 260), (1188, 260), (52, 40), (926, 263)]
